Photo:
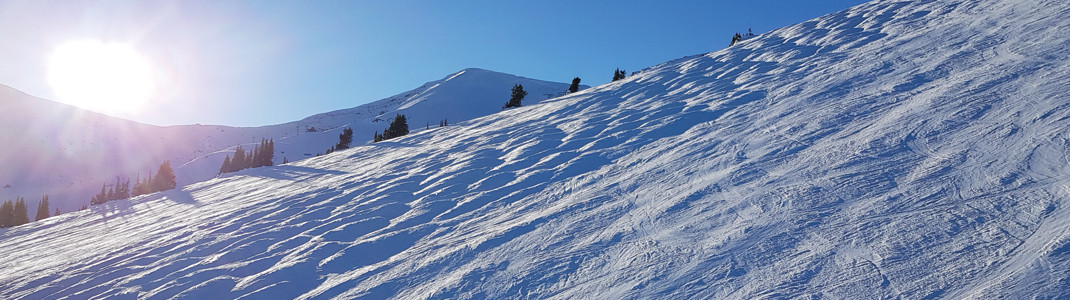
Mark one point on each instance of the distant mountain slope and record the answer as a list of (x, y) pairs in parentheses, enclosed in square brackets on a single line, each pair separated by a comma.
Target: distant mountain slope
[(68, 153), (458, 97), (912, 150)]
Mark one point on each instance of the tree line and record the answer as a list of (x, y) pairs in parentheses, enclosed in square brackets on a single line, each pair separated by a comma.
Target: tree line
[(261, 156), (739, 37), (164, 180), (15, 213), (344, 140), (398, 127)]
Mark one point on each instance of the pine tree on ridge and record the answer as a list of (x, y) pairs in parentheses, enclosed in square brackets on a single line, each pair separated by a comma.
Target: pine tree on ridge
[(21, 214), (575, 85), (398, 127), (619, 74), (7, 214), (165, 177), (42, 209), (517, 96)]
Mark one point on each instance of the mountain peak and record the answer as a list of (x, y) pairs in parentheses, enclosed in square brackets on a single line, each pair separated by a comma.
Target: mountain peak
[(478, 74)]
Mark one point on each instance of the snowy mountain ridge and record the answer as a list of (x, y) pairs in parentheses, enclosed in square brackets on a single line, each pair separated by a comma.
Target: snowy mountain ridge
[(893, 150), (68, 153)]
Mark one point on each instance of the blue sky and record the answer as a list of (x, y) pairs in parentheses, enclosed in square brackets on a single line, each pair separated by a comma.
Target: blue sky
[(251, 63)]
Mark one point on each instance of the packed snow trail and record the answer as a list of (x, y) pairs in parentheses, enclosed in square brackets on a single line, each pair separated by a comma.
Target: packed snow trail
[(894, 150)]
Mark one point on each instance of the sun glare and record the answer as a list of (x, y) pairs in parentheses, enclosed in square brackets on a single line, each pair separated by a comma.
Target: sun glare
[(100, 76)]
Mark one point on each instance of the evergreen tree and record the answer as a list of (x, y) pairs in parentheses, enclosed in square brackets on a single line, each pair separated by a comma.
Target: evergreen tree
[(7, 214), (136, 190), (262, 159), (619, 74), (148, 183), (21, 214), (55, 213), (142, 186), (264, 153), (42, 209), (398, 127), (165, 177), (257, 152), (101, 197), (345, 139), (225, 168), (378, 137), (269, 157), (126, 188), (575, 85), (248, 160), (238, 160), (111, 194), (402, 127), (735, 39), (517, 96), (122, 189)]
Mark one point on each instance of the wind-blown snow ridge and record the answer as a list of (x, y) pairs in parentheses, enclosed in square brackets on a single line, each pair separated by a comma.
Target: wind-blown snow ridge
[(893, 150)]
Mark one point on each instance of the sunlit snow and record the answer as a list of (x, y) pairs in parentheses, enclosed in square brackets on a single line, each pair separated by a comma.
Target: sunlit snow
[(911, 150)]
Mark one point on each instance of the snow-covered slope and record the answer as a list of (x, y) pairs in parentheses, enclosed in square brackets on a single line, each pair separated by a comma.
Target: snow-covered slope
[(894, 150), (458, 97), (68, 153)]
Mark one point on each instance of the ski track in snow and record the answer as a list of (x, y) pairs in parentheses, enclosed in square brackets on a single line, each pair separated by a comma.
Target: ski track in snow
[(894, 150)]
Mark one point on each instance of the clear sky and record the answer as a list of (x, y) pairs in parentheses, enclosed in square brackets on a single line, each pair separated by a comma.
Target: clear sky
[(252, 63)]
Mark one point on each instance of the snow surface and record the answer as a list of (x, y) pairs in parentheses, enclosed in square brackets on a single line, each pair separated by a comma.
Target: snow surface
[(68, 153), (911, 150)]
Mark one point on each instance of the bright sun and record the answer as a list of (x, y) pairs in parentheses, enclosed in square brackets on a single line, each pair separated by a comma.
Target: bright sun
[(100, 76)]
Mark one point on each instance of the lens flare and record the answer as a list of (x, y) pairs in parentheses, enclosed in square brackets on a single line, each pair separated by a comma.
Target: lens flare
[(104, 77)]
